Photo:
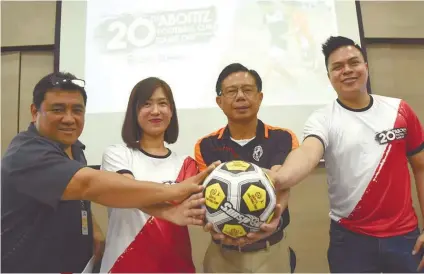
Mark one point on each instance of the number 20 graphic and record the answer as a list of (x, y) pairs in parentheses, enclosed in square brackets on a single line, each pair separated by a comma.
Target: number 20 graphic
[(385, 137), (124, 34)]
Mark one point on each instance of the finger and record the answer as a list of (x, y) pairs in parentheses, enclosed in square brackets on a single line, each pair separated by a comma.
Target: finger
[(208, 227), (195, 221), (242, 241), (229, 241), (254, 236), (196, 203), (194, 212), (195, 196), (266, 170), (417, 246), (203, 174), (271, 226), (189, 189)]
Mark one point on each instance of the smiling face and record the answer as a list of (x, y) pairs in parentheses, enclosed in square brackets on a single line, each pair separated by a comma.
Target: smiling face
[(60, 116), (348, 72), (240, 99), (154, 116)]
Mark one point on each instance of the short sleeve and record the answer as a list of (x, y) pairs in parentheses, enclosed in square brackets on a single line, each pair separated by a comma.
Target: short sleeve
[(199, 156), (39, 169), (317, 126), (287, 141), (415, 132), (117, 158)]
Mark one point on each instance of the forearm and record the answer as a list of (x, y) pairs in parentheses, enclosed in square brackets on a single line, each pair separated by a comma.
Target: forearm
[(296, 167), (419, 182), (158, 210), (114, 190)]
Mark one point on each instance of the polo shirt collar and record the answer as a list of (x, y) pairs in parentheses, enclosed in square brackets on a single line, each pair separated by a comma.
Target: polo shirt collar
[(33, 130), (261, 131)]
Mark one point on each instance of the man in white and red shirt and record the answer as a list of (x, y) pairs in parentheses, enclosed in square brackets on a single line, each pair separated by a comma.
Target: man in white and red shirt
[(367, 142)]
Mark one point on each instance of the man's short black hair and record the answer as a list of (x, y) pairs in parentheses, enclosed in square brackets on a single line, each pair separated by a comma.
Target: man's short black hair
[(335, 42), (50, 81), (236, 67)]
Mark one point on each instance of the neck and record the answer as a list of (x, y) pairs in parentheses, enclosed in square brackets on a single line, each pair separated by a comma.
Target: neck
[(68, 151), (361, 101), (243, 130), (153, 145)]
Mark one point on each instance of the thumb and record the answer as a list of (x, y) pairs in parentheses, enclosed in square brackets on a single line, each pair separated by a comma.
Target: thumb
[(203, 174), (417, 246)]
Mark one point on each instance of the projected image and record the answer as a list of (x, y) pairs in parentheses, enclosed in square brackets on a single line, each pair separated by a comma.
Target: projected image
[(188, 43)]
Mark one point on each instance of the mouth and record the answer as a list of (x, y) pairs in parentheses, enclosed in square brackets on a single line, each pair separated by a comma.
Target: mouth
[(350, 80), (242, 107), (155, 121), (67, 130)]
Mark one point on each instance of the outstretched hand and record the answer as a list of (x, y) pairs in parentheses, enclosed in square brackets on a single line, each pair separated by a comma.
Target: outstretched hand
[(189, 212), (184, 189)]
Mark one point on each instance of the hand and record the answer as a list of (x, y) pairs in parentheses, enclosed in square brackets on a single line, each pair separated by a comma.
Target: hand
[(277, 179), (267, 229), (98, 242), (223, 238), (184, 189), (417, 248), (188, 212)]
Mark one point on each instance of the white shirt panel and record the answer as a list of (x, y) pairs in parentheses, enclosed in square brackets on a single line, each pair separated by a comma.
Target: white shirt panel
[(125, 224)]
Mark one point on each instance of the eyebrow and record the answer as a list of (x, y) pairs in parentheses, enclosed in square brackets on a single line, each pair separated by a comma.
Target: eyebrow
[(243, 85), (340, 62), (64, 105)]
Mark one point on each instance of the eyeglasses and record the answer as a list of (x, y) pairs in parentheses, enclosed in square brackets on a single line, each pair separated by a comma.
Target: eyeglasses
[(232, 92), (58, 81)]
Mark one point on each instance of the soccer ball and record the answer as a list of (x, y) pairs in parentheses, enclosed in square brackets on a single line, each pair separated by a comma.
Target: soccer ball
[(240, 197)]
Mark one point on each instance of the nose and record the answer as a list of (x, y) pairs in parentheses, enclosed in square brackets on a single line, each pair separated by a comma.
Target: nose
[(155, 109), (240, 95), (347, 69), (68, 118)]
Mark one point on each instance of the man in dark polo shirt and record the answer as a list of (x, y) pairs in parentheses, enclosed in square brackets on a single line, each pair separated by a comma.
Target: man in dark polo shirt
[(46, 220), (239, 95)]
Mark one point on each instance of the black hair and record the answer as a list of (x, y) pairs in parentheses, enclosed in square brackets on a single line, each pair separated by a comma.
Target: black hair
[(335, 42), (236, 67), (140, 94), (50, 81)]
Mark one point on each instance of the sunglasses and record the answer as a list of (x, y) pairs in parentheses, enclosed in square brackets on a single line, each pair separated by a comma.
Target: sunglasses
[(58, 81)]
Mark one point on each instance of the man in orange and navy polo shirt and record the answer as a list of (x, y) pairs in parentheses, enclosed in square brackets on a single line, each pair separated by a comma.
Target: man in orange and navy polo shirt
[(239, 95)]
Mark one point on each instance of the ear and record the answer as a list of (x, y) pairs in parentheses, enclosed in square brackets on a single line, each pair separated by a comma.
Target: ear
[(219, 101), (261, 97), (34, 112)]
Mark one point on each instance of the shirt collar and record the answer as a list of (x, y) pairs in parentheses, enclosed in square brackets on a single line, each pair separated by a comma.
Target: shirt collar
[(261, 131), (33, 130)]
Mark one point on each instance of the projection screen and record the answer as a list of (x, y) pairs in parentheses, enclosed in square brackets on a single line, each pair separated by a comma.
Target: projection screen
[(115, 44)]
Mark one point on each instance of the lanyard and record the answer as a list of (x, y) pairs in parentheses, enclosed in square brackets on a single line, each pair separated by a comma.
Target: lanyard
[(84, 219)]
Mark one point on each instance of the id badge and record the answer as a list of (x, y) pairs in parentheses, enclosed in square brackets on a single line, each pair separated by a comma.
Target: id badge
[(84, 222)]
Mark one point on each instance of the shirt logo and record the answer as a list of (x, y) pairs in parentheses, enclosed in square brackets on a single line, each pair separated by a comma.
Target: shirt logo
[(390, 135), (257, 153)]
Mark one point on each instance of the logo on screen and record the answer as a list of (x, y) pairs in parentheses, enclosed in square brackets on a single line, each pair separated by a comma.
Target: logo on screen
[(128, 32), (388, 136)]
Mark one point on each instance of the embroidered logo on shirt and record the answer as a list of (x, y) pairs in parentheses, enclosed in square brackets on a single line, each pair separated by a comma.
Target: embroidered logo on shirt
[(257, 153)]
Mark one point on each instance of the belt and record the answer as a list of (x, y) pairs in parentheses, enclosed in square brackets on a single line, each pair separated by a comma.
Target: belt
[(256, 246)]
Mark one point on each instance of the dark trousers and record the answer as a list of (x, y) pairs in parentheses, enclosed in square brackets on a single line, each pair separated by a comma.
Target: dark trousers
[(351, 252)]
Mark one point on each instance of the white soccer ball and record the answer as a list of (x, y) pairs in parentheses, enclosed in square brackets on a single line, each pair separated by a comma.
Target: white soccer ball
[(240, 197)]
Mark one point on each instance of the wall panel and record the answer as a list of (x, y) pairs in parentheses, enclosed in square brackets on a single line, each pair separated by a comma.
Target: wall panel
[(9, 97)]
